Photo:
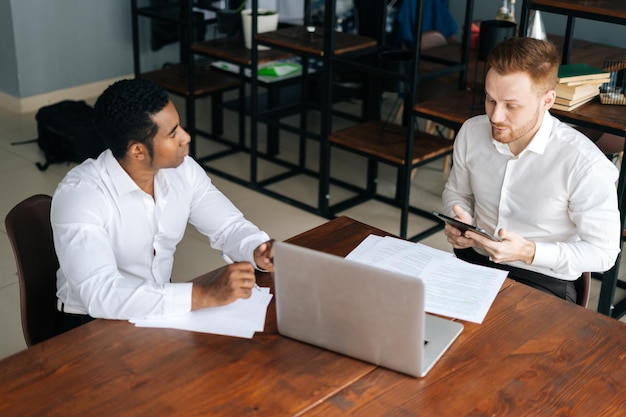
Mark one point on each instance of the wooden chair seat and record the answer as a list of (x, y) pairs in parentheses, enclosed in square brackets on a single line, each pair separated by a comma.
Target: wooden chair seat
[(387, 142)]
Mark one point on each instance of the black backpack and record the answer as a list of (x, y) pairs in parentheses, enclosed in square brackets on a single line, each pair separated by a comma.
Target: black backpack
[(67, 133)]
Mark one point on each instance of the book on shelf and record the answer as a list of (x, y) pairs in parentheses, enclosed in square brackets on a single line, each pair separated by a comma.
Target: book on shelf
[(584, 82), (565, 107), (576, 92), (577, 72), (576, 100)]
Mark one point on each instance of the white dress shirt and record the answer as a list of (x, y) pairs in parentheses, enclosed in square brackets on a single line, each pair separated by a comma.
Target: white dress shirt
[(559, 192), (116, 244)]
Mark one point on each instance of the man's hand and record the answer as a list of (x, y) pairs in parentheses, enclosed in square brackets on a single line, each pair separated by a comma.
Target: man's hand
[(456, 237), (234, 282), (512, 247), (264, 256)]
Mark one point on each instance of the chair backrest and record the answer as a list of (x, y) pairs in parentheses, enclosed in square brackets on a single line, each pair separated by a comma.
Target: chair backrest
[(29, 230), (583, 289)]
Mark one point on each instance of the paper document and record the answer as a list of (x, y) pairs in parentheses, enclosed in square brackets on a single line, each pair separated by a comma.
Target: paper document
[(453, 288), (240, 319)]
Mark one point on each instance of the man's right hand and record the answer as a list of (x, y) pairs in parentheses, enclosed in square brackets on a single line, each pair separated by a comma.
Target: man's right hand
[(454, 235), (234, 282)]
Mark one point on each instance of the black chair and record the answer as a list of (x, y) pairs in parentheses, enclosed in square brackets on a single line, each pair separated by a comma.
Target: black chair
[(29, 230), (583, 289)]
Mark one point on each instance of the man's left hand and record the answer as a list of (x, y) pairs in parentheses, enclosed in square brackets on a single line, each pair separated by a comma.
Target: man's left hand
[(264, 256), (513, 247)]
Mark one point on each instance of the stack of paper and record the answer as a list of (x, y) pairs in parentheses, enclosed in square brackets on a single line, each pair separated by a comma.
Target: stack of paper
[(241, 318), (453, 288)]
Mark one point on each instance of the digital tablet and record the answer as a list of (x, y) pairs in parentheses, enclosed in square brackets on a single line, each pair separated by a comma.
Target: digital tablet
[(464, 226)]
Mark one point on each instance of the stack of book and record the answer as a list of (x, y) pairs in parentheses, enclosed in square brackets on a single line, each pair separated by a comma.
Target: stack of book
[(577, 85)]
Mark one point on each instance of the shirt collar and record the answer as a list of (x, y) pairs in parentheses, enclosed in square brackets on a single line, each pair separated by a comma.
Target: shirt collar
[(122, 182), (542, 137)]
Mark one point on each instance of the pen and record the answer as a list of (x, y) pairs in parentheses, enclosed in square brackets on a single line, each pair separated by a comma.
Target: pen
[(229, 260)]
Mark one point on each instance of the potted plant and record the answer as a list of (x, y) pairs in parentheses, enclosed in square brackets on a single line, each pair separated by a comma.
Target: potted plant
[(267, 21)]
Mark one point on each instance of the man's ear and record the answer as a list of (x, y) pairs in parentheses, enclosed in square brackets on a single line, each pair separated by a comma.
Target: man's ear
[(548, 99), (137, 151)]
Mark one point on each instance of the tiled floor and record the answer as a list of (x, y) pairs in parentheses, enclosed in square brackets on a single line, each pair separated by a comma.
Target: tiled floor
[(19, 178)]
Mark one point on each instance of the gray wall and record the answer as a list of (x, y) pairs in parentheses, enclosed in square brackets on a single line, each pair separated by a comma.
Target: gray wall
[(50, 45), (8, 64)]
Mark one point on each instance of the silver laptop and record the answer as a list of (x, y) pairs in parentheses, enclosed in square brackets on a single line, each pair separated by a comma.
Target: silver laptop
[(357, 310)]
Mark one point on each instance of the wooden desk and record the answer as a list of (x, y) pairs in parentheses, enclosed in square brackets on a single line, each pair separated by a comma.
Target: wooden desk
[(534, 355), (517, 361), (113, 368)]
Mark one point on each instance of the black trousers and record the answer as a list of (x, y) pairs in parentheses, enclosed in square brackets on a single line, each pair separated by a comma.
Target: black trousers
[(68, 321), (561, 288)]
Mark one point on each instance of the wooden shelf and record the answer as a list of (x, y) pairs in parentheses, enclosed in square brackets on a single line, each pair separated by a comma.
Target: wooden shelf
[(298, 39), (235, 51), (602, 10), (387, 142), (206, 81), (451, 110)]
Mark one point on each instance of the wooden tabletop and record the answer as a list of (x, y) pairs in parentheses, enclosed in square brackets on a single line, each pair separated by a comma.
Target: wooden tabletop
[(113, 368), (533, 355)]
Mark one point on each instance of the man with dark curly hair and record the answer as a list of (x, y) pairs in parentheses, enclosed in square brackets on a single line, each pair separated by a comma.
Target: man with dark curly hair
[(117, 219)]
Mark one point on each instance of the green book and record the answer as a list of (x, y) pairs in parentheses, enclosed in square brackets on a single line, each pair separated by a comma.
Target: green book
[(578, 72)]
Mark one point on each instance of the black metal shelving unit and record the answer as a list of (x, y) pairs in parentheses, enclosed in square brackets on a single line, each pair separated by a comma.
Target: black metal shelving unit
[(187, 78)]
